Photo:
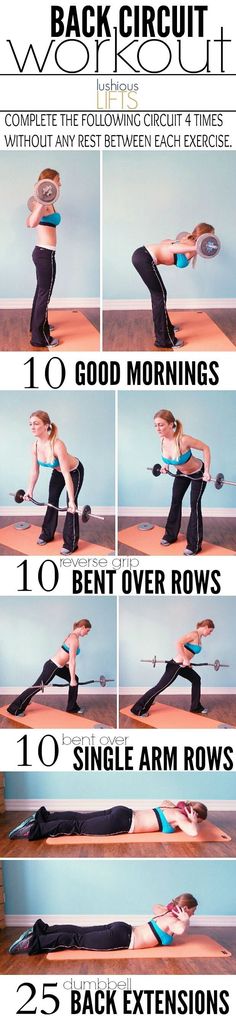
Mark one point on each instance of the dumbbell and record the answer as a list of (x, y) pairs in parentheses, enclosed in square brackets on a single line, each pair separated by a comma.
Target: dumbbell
[(46, 192), (207, 245)]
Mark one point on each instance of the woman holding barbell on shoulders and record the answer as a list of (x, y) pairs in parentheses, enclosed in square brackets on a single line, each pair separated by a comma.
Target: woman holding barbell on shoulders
[(62, 664), (67, 471), (45, 219), (167, 252), (176, 452), (181, 665), (167, 817), (169, 921)]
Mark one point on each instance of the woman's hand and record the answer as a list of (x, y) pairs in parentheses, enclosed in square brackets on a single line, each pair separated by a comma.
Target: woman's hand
[(164, 470), (181, 914), (185, 662), (72, 508), (206, 476), (28, 495), (191, 814)]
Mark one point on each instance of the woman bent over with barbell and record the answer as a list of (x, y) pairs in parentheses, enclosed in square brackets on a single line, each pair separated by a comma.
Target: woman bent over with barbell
[(176, 452), (62, 664), (168, 253), (167, 817), (169, 921), (45, 219), (67, 471), (180, 665)]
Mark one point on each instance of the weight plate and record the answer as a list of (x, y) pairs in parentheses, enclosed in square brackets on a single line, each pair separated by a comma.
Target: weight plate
[(145, 527), (208, 245), (156, 470), (219, 481), (46, 191), (22, 525)]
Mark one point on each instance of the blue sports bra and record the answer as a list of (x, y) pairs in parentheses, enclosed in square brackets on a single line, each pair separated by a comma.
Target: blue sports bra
[(182, 459), (54, 464), (181, 261), (195, 648), (53, 219), (162, 821), (162, 937), (66, 648)]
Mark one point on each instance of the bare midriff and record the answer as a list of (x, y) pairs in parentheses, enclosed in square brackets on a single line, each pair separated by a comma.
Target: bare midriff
[(46, 236)]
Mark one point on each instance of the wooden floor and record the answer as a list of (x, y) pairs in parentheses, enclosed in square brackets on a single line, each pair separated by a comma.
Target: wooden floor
[(101, 532), (220, 707), (128, 330), (22, 849), (101, 708), (38, 964), (219, 531), (14, 322)]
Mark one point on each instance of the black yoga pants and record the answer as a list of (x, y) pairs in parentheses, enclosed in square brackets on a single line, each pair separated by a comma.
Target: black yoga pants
[(45, 265), (71, 525), (102, 937), (195, 523), (173, 669), (114, 821), (147, 269), (50, 669)]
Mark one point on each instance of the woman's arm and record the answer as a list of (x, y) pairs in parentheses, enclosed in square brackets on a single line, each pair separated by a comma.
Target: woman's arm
[(63, 457), (33, 475), (35, 216), (187, 824), (182, 247), (189, 638), (189, 440)]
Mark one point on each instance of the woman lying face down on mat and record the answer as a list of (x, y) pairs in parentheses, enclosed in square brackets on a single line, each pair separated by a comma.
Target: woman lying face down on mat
[(51, 453), (167, 252), (190, 470), (167, 817), (181, 665), (169, 921), (62, 664), (45, 219)]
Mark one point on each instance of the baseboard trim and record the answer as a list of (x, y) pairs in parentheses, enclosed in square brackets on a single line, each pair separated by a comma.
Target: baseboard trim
[(28, 919), (219, 806), (151, 511), (174, 304), (29, 510), (57, 303), (178, 691), (92, 690)]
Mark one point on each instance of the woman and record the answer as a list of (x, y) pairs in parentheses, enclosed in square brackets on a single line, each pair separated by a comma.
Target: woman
[(181, 665), (62, 664), (46, 220), (176, 452), (67, 471), (168, 817), (169, 921), (166, 252)]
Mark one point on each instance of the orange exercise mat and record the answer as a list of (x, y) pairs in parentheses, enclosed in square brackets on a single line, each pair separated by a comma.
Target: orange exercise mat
[(198, 332), (197, 946), (39, 716), (148, 542), (207, 833), (165, 716), (25, 542), (73, 330)]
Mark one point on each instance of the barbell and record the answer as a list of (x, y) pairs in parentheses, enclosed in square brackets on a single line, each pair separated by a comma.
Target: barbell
[(85, 513), (216, 665), (207, 245), (46, 192), (218, 481), (102, 680)]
